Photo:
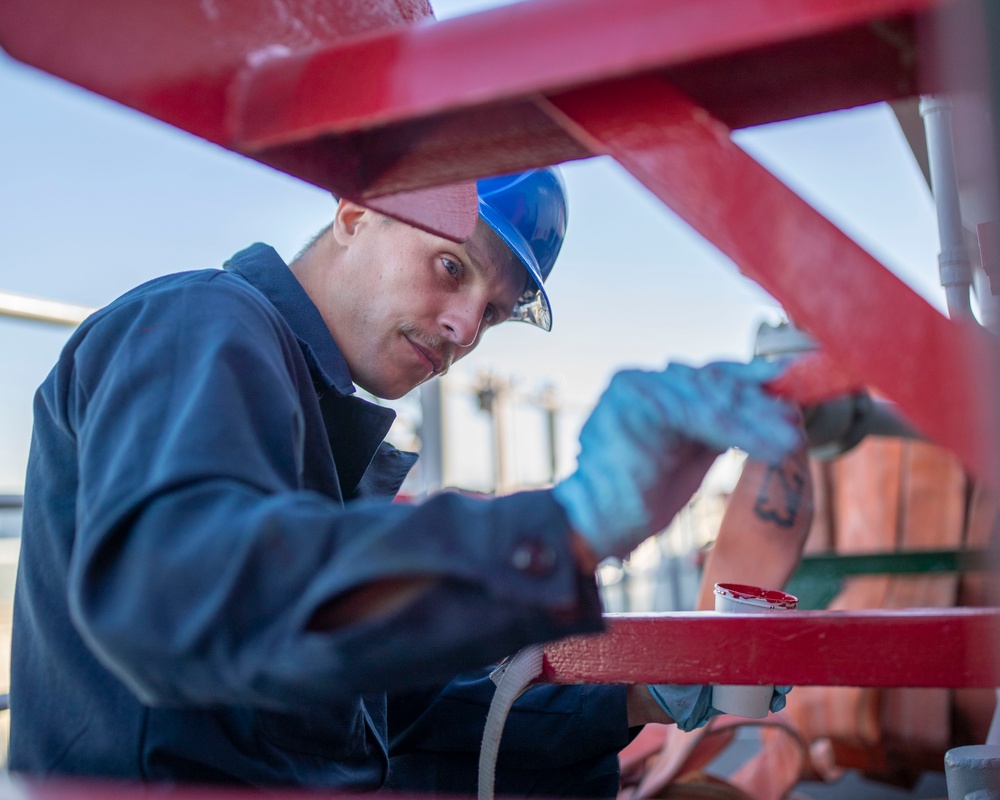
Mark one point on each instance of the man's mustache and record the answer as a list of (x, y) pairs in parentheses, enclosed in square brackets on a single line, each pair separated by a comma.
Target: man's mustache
[(441, 347)]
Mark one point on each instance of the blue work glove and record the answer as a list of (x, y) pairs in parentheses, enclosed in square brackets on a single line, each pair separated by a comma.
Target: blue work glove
[(652, 437), (691, 706), (779, 699)]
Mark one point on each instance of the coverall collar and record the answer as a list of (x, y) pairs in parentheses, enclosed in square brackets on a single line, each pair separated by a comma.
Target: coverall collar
[(356, 427), (262, 267)]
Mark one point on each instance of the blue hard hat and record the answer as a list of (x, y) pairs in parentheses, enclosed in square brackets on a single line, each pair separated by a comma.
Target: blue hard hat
[(527, 210)]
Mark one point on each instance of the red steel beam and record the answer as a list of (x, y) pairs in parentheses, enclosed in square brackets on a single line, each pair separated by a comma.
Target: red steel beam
[(442, 102), (365, 110), (939, 371), (924, 647), (519, 50), (813, 378), (177, 60)]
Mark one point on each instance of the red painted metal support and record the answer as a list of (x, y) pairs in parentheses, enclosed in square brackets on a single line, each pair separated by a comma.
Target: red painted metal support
[(528, 48), (938, 371), (369, 104), (178, 60), (461, 98), (929, 647), (813, 378), (364, 105)]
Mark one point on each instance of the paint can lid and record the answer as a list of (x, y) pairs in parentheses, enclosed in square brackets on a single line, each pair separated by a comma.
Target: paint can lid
[(772, 598)]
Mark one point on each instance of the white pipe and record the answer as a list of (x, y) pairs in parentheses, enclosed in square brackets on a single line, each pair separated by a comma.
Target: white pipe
[(432, 435), (39, 310), (993, 736), (953, 260), (987, 302)]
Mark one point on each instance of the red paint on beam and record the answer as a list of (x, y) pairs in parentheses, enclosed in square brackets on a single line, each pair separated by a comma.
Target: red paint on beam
[(177, 60), (813, 378), (938, 371), (364, 103), (920, 647), (519, 50)]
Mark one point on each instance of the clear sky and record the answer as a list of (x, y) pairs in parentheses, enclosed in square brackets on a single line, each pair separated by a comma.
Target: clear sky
[(95, 198)]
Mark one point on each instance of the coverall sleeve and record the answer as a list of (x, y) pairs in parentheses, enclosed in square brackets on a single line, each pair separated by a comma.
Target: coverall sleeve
[(557, 740), (200, 558)]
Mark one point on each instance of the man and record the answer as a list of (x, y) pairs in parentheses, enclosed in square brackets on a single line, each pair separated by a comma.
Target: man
[(212, 586)]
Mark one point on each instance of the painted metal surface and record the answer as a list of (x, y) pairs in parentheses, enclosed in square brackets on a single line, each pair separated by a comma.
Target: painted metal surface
[(178, 61), (175, 59), (350, 96), (413, 117), (870, 323), (931, 648), (545, 46), (813, 378)]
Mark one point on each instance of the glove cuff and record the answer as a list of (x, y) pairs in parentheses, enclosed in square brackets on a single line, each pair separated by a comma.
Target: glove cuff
[(572, 496), (688, 706)]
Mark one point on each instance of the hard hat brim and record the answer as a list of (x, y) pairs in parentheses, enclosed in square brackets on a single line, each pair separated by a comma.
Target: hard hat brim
[(533, 306)]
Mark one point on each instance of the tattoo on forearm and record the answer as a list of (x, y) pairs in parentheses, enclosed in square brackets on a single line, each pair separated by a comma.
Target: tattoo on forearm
[(781, 494)]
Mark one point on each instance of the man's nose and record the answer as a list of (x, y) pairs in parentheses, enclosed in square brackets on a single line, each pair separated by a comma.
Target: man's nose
[(461, 322)]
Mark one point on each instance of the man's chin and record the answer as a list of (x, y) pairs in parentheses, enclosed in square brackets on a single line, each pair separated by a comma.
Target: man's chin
[(390, 390)]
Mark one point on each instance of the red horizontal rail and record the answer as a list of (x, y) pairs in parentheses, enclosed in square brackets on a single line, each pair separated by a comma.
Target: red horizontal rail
[(444, 102), (516, 51), (919, 647), (410, 106)]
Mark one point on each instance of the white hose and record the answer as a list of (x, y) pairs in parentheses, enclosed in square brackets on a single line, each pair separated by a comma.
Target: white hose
[(993, 736), (512, 677)]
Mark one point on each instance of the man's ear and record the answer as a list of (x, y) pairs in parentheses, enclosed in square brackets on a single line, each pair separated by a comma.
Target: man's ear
[(349, 219)]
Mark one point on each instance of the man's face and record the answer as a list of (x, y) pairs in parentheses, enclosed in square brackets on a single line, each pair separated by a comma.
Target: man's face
[(405, 304)]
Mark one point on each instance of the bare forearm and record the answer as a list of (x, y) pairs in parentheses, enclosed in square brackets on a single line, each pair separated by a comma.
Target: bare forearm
[(764, 527), (642, 708)]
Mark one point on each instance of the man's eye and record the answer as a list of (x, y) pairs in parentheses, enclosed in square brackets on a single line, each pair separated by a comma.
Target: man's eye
[(490, 315), (453, 267)]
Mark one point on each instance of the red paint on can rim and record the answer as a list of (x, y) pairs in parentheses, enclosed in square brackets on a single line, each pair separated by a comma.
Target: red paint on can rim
[(774, 597)]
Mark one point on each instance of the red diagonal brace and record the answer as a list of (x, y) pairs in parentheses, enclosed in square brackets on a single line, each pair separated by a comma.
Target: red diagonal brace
[(813, 378), (939, 371), (921, 647)]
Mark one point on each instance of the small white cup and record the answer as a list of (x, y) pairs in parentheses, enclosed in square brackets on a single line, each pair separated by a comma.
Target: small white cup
[(972, 768), (737, 598)]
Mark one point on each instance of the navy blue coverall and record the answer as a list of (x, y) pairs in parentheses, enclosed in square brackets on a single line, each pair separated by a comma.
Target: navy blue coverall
[(185, 518)]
